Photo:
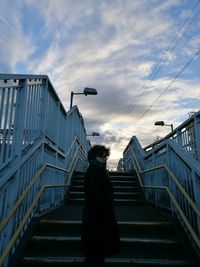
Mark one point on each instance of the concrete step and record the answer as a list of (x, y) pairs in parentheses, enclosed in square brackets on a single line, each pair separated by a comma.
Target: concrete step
[(77, 182), (117, 188), (125, 188), (124, 183), (131, 201), (58, 228), (130, 247), (154, 229), (114, 173), (116, 195), (125, 178), (77, 188), (114, 183), (113, 177), (109, 262)]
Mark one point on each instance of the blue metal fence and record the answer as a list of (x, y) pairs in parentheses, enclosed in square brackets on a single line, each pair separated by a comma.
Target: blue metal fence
[(41, 144), (187, 135), (170, 177)]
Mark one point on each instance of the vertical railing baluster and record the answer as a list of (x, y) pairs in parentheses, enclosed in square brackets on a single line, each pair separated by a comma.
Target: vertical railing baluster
[(38, 103), (31, 118), (197, 135), (19, 118), (3, 125), (26, 110), (35, 113), (9, 129)]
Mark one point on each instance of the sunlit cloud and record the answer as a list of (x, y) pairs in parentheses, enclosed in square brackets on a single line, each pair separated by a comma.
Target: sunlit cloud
[(122, 48), (15, 47)]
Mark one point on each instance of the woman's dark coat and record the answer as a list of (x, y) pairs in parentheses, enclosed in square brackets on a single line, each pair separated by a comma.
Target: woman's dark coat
[(100, 235)]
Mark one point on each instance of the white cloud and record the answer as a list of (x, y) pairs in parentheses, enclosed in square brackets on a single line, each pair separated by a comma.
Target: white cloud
[(15, 46), (169, 56), (145, 68), (113, 46)]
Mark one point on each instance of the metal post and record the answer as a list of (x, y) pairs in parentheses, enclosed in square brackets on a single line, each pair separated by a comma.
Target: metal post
[(197, 135), (72, 94)]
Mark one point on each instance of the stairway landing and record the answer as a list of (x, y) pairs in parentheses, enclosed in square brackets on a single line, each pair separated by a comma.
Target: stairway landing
[(133, 213)]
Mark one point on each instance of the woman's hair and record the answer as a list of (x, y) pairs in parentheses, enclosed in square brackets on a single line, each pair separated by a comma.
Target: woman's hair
[(98, 151)]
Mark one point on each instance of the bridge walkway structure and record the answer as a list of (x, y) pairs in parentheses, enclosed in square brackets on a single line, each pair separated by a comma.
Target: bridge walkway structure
[(43, 147)]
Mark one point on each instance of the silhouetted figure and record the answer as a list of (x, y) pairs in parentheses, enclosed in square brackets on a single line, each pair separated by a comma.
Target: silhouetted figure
[(100, 234)]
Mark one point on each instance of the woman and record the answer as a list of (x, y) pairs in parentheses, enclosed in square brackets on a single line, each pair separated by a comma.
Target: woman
[(100, 235)]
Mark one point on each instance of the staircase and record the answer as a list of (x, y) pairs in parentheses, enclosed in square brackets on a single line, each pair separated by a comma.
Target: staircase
[(126, 189), (148, 238)]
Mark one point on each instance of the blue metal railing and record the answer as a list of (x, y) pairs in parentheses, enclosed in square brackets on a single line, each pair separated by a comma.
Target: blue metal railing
[(40, 146), (187, 135), (168, 170)]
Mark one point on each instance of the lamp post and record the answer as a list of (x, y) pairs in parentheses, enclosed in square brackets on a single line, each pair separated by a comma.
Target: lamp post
[(161, 123), (93, 134), (86, 91)]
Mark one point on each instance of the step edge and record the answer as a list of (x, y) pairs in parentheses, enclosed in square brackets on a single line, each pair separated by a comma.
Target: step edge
[(164, 261), (115, 199), (122, 240), (114, 193), (145, 223)]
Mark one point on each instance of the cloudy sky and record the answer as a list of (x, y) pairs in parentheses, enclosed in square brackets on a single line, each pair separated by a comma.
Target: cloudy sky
[(141, 55)]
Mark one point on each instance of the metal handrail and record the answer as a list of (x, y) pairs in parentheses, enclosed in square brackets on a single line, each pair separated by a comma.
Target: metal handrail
[(24, 220), (19, 201), (28, 188), (184, 218), (191, 202), (25, 192)]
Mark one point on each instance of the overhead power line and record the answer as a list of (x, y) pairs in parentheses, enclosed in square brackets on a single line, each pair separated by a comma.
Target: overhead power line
[(175, 41), (170, 119), (194, 85), (165, 90)]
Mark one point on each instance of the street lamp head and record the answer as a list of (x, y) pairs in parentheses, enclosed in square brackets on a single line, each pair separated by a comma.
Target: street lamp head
[(94, 134), (89, 91), (159, 123), (86, 91)]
